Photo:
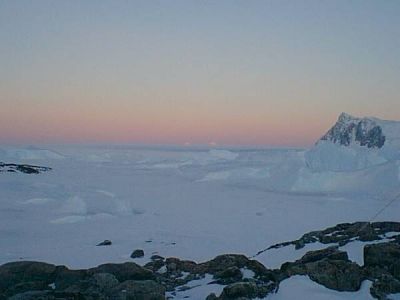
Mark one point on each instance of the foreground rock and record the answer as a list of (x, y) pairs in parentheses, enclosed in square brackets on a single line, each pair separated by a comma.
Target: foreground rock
[(385, 256), (141, 290), (344, 233), (382, 265), (225, 269), (329, 267), (246, 290), (36, 280)]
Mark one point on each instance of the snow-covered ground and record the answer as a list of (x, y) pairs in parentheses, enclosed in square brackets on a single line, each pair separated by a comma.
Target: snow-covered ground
[(189, 203), (298, 286)]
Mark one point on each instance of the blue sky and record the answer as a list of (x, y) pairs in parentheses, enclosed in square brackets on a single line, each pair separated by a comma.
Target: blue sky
[(229, 72)]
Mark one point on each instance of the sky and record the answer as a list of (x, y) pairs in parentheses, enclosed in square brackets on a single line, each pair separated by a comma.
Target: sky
[(273, 73)]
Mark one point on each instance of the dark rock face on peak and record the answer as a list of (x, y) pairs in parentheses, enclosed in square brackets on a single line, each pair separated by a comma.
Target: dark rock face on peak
[(349, 129), (372, 138)]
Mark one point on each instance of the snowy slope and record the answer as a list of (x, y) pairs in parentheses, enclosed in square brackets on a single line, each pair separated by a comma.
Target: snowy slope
[(192, 204)]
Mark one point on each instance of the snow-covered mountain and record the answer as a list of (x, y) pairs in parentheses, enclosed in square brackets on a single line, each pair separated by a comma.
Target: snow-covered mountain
[(354, 144)]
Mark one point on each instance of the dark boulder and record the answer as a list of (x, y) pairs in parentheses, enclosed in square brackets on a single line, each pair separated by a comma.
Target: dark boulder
[(328, 253), (15, 273), (65, 277), (299, 267), (105, 243), (137, 253), (175, 265), (246, 290), (156, 257), (385, 256), (124, 271), (212, 296), (385, 285), (223, 262), (329, 267), (337, 275), (228, 276)]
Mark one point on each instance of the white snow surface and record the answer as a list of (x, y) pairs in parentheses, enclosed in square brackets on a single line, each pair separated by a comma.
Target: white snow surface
[(188, 203), (300, 287), (199, 289)]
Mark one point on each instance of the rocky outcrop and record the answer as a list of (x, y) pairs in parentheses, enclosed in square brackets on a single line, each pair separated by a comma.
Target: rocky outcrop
[(124, 271), (22, 168), (36, 280), (382, 265), (385, 285), (343, 233), (329, 267), (337, 275), (226, 269), (18, 277), (384, 256), (332, 268), (228, 276)]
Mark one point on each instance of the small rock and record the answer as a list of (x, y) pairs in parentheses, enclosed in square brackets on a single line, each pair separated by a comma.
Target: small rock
[(105, 243), (137, 253), (156, 257), (212, 296)]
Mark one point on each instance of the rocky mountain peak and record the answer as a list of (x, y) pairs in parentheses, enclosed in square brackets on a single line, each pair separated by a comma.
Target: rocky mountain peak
[(351, 130), (345, 117)]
